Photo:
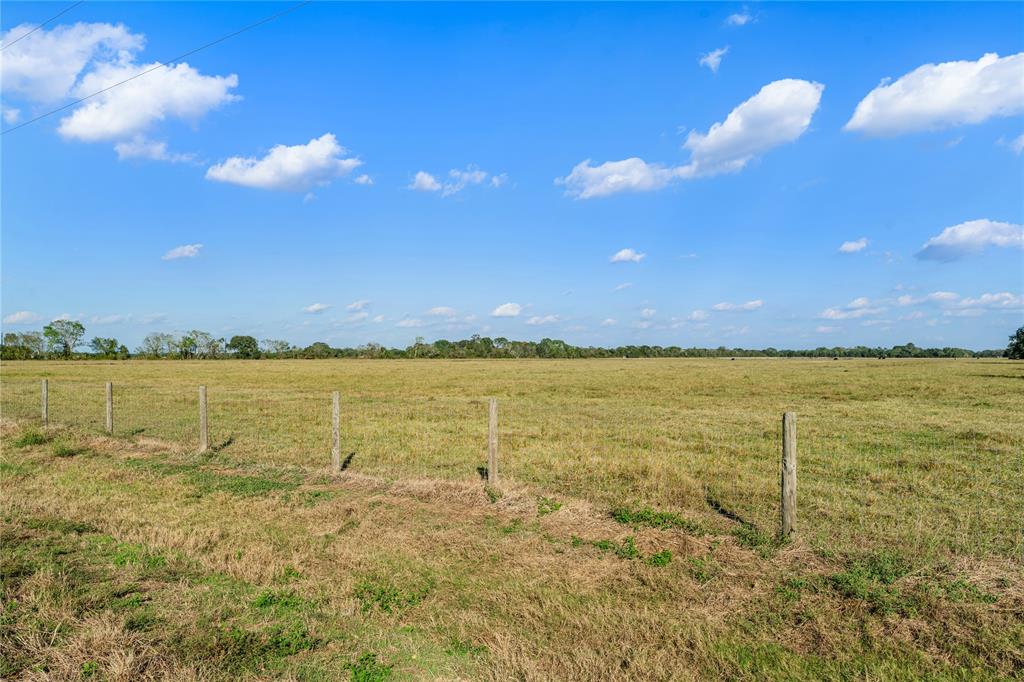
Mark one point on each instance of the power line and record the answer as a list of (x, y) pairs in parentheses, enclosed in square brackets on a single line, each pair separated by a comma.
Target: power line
[(26, 35), (161, 65)]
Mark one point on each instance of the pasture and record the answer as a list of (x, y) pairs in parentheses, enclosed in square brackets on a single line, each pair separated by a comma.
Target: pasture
[(632, 534)]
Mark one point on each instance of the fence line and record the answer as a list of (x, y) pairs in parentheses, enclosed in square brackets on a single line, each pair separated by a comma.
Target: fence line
[(491, 473)]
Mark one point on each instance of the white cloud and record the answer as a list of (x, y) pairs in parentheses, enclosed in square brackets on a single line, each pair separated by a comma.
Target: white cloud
[(357, 317), (627, 256), (357, 305), (546, 319), (410, 322), (861, 302), (854, 246), (1001, 301), (738, 307), (363, 179), (45, 65), (713, 59), (11, 115), (1016, 144), (23, 317), (629, 175), (176, 92), (317, 308), (141, 148), (697, 316), (739, 18), (458, 180), (934, 297), (378, 318), (183, 251), (424, 182), (935, 96), (648, 313), (108, 319), (855, 309), (826, 330), (442, 311), (294, 168), (507, 310), (624, 285), (970, 238), (608, 322), (778, 114)]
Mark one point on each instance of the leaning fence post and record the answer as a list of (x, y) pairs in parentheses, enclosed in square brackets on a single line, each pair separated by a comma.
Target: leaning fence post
[(492, 442), (336, 431), (204, 435), (110, 408), (788, 473), (46, 403)]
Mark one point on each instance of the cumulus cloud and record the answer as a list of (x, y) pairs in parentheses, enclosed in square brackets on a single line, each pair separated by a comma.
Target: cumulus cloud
[(627, 256), (45, 65), (738, 307), (611, 177), (778, 114), (934, 297), (970, 238), (624, 285), (141, 148), (854, 246), (424, 182), (543, 319), (11, 115), (179, 91), (648, 313), (609, 322), (457, 180), (855, 309), (442, 311), (363, 179), (1001, 301), (290, 168), (697, 316), (739, 18), (410, 322), (317, 308), (183, 251), (507, 310), (1016, 145), (357, 305), (713, 59), (936, 96), (23, 317)]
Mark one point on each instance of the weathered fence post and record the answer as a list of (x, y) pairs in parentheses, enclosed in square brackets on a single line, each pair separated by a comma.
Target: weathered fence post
[(46, 403), (110, 408), (204, 434), (788, 473), (336, 431), (492, 442)]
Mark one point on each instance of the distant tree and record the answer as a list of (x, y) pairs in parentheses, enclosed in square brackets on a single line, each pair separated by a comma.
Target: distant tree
[(23, 346), (1015, 351), (105, 347), (157, 345), (62, 336), (186, 346), (275, 346), (244, 347)]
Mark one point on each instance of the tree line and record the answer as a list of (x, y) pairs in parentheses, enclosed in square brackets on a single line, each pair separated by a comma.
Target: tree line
[(62, 339)]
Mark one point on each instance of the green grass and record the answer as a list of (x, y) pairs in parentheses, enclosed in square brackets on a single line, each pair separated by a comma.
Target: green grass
[(634, 529)]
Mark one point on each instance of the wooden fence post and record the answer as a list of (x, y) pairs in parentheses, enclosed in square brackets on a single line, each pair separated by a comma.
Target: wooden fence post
[(110, 408), (204, 434), (46, 403), (788, 474), (492, 442), (336, 431)]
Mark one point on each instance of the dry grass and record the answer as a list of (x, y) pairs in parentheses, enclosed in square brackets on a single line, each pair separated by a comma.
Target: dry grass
[(907, 565)]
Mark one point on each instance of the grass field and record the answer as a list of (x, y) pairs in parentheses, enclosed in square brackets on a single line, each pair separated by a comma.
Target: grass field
[(632, 535)]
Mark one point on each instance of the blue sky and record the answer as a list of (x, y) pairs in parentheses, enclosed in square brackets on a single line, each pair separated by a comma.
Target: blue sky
[(681, 174)]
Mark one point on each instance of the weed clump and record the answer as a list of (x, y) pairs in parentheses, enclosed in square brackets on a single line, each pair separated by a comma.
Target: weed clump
[(381, 593), (870, 578), (547, 505), (64, 449), (662, 558), (368, 669), (30, 437), (650, 518)]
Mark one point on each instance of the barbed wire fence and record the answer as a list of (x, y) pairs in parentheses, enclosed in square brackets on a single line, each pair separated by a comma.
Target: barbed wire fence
[(583, 447)]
